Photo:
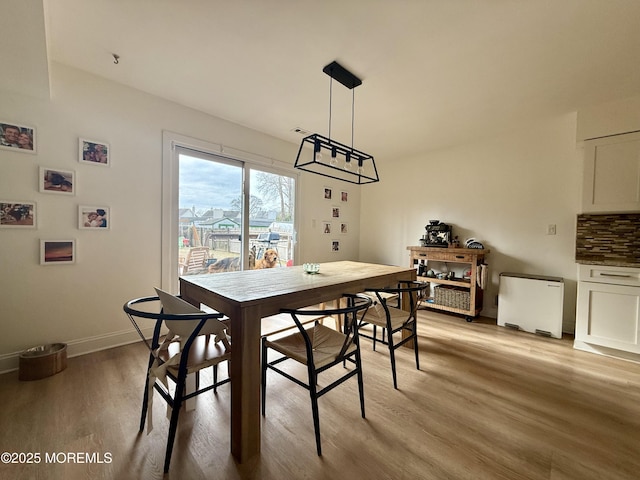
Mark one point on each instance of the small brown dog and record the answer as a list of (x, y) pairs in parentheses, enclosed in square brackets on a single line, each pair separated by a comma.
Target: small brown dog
[(268, 260)]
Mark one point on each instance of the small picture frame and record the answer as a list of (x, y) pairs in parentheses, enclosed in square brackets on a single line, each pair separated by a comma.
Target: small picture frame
[(15, 214), (344, 196), (57, 252), (335, 245), (94, 152), (17, 137), (54, 180), (335, 212), (344, 228), (327, 193), (94, 218), (326, 227)]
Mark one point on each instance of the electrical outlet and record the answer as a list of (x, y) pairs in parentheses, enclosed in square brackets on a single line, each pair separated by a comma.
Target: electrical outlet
[(551, 229)]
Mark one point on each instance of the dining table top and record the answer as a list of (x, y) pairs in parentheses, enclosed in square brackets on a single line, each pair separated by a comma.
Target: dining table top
[(257, 286)]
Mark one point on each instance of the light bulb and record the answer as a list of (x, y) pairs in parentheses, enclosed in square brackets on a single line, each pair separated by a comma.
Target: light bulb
[(317, 152), (347, 165), (334, 158)]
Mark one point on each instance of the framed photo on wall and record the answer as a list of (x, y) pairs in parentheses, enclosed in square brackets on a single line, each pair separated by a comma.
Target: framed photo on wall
[(344, 196), (53, 180), (94, 152), (15, 214), (327, 193), (16, 137), (335, 245), (326, 227), (94, 218), (344, 228), (57, 252)]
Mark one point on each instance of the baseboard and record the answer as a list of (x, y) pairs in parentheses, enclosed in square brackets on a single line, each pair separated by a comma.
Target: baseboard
[(609, 352), (10, 361)]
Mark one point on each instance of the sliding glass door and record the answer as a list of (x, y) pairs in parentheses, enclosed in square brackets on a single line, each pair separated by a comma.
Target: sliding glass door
[(225, 215)]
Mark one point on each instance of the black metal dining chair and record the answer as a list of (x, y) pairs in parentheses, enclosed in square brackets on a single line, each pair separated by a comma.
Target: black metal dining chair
[(394, 320), (319, 348), (195, 340)]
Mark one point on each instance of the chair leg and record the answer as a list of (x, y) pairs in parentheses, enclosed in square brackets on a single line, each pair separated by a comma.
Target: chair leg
[(374, 337), (415, 343), (360, 381), (392, 356), (173, 424), (314, 410), (145, 403), (264, 374), (215, 378), (145, 400)]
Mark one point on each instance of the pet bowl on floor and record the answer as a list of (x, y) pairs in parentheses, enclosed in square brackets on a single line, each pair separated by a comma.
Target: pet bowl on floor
[(42, 361)]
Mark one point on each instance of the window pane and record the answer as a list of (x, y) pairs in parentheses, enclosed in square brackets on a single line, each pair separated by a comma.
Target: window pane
[(271, 216), (210, 215)]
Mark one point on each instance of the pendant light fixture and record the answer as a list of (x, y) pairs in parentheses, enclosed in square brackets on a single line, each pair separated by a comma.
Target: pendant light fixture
[(333, 159)]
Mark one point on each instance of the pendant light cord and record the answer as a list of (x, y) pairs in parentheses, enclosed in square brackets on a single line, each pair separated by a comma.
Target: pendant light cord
[(353, 108), (330, 102)]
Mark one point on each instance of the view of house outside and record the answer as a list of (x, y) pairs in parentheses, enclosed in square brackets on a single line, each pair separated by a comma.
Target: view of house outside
[(210, 217)]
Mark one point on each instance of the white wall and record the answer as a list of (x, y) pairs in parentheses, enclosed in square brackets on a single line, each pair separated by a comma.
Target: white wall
[(81, 304), (504, 191), (316, 246), (610, 118)]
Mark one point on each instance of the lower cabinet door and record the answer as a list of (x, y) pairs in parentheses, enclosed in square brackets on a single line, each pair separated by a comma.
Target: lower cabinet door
[(609, 315)]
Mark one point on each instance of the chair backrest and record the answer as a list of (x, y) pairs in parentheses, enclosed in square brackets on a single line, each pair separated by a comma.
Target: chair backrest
[(354, 312), (196, 258), (414, 290), (174, 305), (187, 325)]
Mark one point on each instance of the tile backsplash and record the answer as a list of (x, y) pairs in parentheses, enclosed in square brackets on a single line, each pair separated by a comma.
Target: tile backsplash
[(609, 239)]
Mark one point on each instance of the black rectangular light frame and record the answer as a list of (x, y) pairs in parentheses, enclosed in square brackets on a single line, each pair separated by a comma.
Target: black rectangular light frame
[(325, 169)]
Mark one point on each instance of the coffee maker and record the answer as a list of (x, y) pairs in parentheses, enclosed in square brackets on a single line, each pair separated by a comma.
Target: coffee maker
[(437, 234)]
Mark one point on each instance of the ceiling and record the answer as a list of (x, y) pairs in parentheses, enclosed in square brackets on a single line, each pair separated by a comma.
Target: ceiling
[(435, 72)]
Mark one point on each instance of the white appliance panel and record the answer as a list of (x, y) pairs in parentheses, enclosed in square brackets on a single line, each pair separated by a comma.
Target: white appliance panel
[(531, 303)]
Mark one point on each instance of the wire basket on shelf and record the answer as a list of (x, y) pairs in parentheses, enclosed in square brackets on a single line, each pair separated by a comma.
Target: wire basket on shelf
[(451, 296)]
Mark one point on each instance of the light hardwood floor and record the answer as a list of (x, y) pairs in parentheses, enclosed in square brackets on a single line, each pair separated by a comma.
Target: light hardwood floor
[(488, 403)]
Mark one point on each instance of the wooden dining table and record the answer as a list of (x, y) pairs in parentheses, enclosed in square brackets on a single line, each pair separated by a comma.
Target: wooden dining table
[(250, 295)]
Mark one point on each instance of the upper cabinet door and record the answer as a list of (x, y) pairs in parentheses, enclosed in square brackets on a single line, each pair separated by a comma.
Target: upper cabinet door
[(612, 174)]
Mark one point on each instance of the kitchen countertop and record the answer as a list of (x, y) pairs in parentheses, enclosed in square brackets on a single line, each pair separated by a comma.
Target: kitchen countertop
[(610, 263)]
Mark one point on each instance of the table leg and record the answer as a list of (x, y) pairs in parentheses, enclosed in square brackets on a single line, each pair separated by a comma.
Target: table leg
[(245, 383)]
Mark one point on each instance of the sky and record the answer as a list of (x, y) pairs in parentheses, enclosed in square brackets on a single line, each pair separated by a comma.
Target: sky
[(205, 184), (209, 184)]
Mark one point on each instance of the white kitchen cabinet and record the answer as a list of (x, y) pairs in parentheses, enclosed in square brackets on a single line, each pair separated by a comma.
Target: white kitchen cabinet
[(611, 181), (608, 309)]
